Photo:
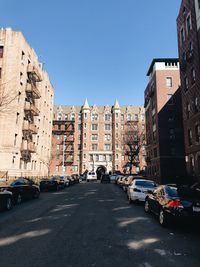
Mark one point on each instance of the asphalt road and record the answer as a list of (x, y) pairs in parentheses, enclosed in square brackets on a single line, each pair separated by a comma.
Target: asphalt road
[(92, 224)]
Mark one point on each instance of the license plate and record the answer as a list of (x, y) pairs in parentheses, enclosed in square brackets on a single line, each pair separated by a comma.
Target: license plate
[(196, 209)]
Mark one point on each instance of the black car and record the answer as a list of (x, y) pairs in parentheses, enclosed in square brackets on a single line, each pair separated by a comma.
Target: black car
[(23, 189), (53, 184), (105, 179), (170, 203), (6, 200)]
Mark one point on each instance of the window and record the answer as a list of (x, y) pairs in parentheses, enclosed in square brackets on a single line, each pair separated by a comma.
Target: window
[(17, 118), (107, 117), (171, 134), (186, 83), (94, 147), (117, 125), (193, 75), (117, 115), (94, 127), (22, 56), (91, 157), (188, 110), (122, 117), (73, 117), (142, 117), (128, 117), (94, 137), (197, 133), (85, 135), (188, 23), (190, 137), (1, 51), (182, 35), (107, 137), (136, 117), (195, 104), (169, 82), (15, 140), (94, 117), (85, 115), (57, 147), (79, 127), (190, 49), (107, 127), (109, 157), (79, 117), (107, 147), (117, 156), (135, 127), (66, 117)]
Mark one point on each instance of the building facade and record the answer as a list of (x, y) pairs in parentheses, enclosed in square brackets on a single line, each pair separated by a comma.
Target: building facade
[(92, 138), (26, 109), (188, 29), (164, 129)]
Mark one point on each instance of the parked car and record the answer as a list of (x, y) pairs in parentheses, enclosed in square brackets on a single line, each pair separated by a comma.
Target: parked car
[(53, 184), (105, 179), (76, 178), (65, 180), (119, 179), (171, 203), (91, 176), (71, 180), (6, 200), (23, 189), (113, 177), (83, 177), (128, 181), (139, 188)]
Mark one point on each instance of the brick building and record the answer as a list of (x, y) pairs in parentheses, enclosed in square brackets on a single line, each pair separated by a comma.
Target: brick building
[(188, 29), (164, 130), (26, 109), (92, 138)]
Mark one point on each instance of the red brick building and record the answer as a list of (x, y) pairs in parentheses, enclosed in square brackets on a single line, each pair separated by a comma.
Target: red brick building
[(164, 130), (188, 28)]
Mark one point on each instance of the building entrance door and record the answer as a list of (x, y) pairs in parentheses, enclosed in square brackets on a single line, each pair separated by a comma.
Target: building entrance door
[(100, 170)]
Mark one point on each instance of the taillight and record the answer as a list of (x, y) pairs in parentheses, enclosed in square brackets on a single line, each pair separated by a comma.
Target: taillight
[(174, 204), (136, 190)]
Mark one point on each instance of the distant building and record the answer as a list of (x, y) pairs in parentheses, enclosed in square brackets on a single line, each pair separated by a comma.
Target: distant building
[(26, 109), (188, 28), (91, 138), (164, 130)]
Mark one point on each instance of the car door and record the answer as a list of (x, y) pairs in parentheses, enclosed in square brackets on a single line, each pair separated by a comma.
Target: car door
[(154, 200)]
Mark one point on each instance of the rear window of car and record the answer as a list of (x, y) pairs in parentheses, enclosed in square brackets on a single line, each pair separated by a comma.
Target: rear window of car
[(145, 184), (172, 191)]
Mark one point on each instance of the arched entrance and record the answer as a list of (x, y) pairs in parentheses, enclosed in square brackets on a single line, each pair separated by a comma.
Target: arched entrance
[(100, 170)]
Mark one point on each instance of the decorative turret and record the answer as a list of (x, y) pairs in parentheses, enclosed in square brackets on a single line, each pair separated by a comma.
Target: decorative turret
[(116, 105), (86, 105)]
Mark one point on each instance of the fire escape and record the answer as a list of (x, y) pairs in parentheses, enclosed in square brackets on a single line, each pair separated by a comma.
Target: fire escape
[(65, 129), (30, 111)]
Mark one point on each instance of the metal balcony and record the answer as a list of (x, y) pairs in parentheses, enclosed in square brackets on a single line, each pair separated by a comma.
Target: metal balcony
[(34, 73), (32, 108), (30, 88), (27, 126), (28, 147)]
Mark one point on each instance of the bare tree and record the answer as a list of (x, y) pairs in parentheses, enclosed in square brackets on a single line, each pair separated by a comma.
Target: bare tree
[(7, 97), (133, 141)]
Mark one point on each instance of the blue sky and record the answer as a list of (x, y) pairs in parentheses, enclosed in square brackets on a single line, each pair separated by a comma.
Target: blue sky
[(99, 49)]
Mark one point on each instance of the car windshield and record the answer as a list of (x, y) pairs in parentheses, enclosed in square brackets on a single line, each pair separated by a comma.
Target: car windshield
[(172, 191), (148, 184)]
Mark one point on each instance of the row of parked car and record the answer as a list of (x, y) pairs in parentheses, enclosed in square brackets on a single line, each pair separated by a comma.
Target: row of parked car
[(23, 189), (170, 202)]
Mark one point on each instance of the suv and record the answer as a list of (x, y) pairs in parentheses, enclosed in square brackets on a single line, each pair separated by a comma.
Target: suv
[(105, 178), (91, 176)]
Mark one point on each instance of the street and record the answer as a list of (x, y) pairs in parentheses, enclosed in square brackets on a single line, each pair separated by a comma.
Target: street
[(91, 224)]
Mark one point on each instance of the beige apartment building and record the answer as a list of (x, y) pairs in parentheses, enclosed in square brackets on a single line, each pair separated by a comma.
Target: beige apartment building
[(87, 138), (26, 109)]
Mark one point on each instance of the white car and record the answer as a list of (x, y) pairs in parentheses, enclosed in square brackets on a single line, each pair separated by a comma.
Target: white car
[(139, 188), (91, 176)]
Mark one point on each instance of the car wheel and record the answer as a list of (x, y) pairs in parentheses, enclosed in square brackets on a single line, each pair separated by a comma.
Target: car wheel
[(146, 206), (37, 194), (8, 203), (19, 199), (163, 219)]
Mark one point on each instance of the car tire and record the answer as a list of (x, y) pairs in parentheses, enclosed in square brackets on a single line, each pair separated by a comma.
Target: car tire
[(9, 204), (163, 218), (37, 194), (19, 199), (146, 206)]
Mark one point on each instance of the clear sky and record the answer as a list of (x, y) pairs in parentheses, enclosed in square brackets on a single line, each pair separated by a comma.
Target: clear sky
[(99, 49)]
